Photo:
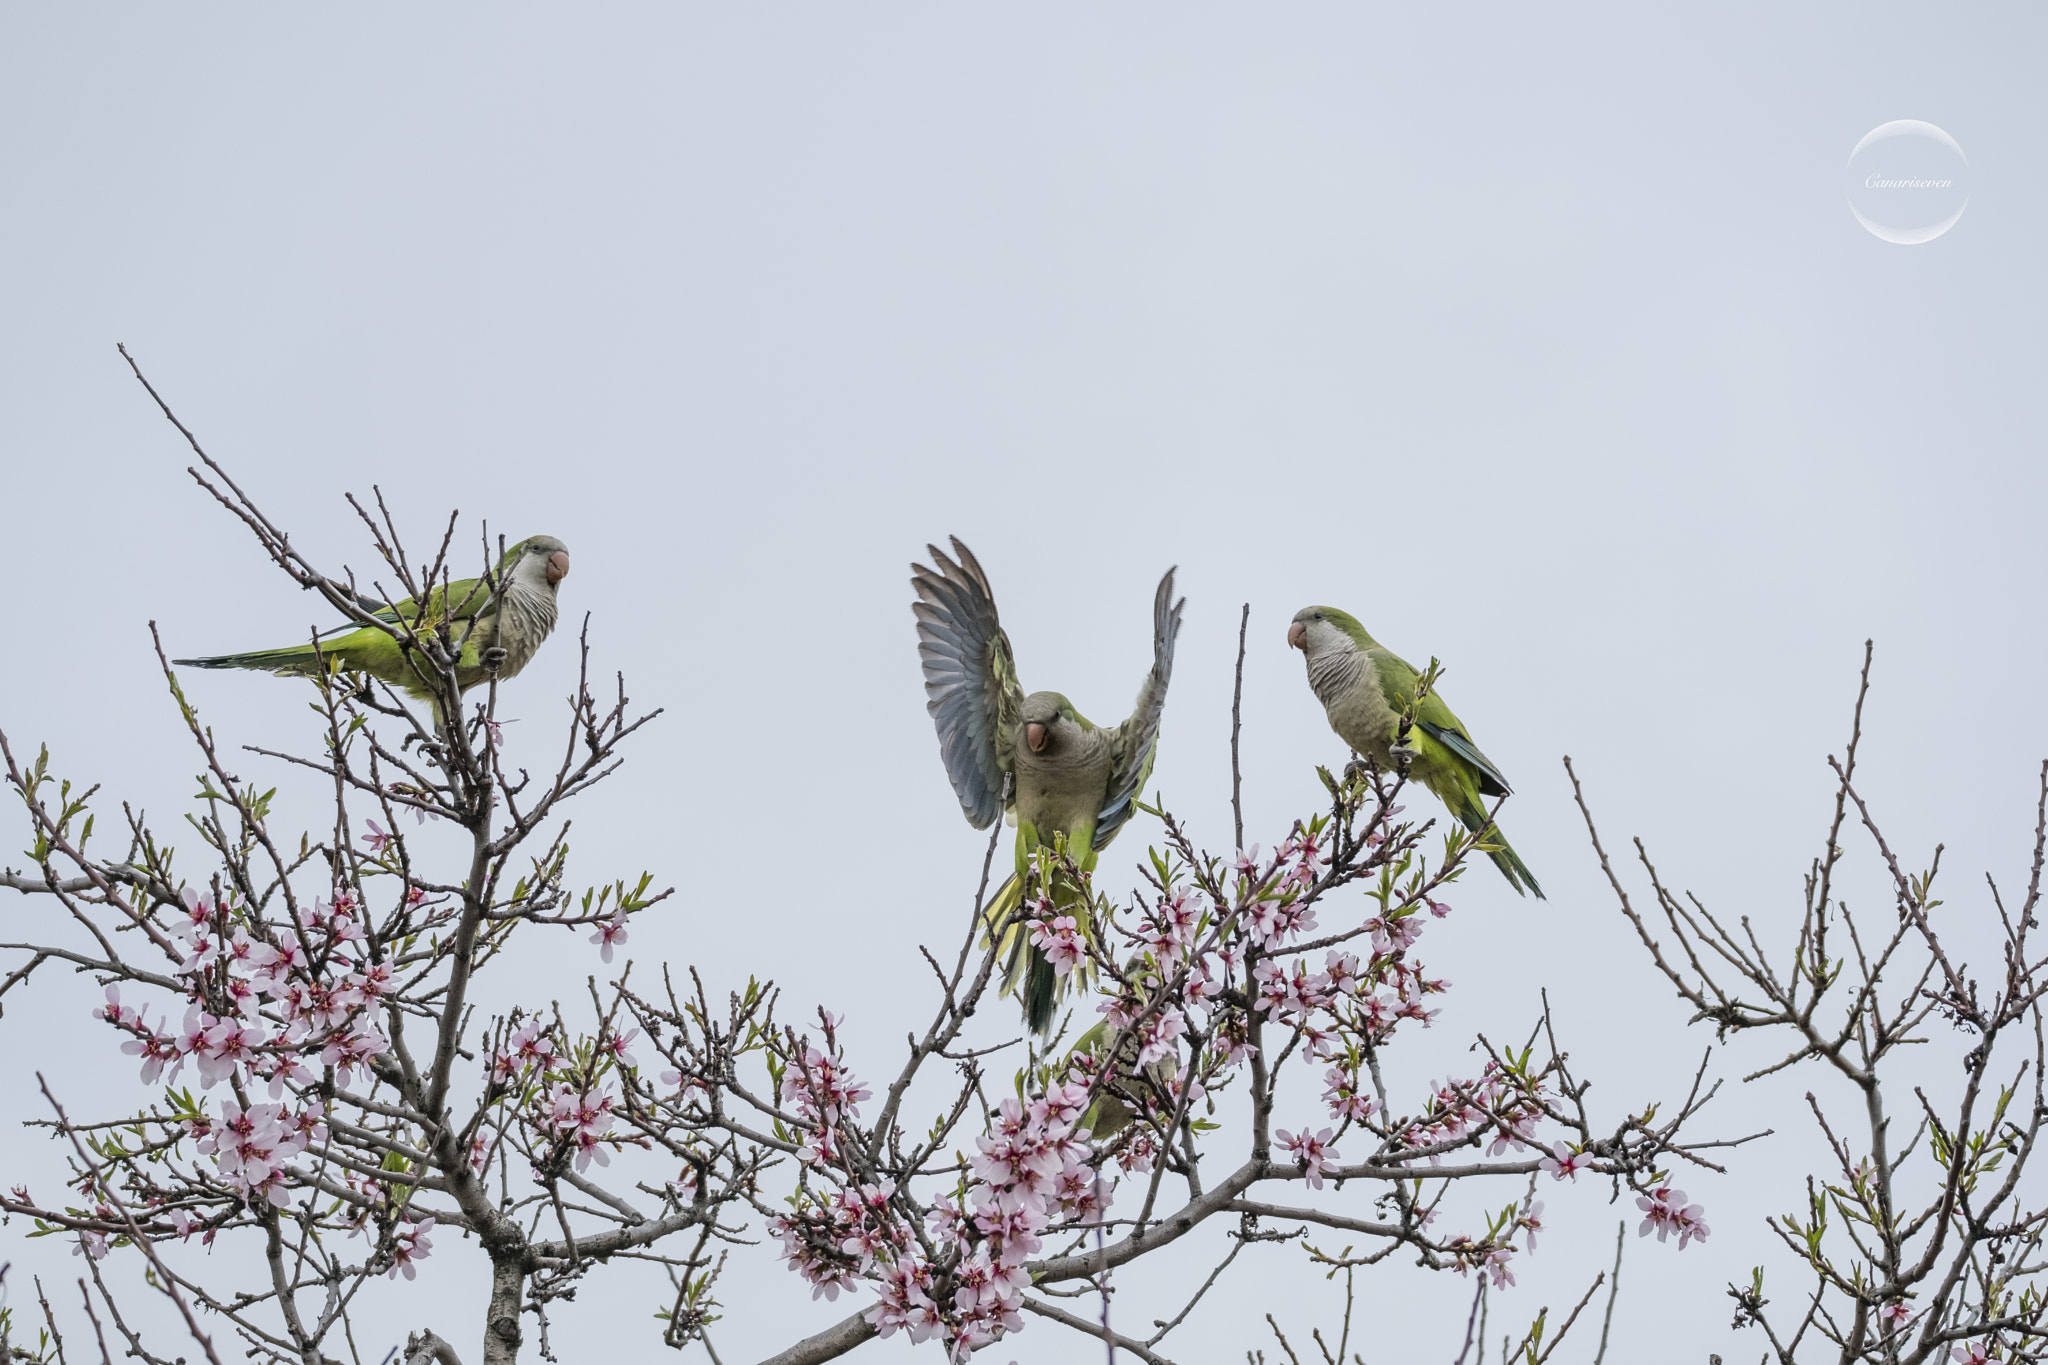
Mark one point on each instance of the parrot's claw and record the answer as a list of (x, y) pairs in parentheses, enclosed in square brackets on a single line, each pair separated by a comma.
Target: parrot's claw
[(1403, 755), (1353, 771), (494, 657)]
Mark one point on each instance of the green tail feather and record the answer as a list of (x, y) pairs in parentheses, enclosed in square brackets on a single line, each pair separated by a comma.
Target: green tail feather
[(1041, 990), (298, 659), (1511, 865), (1473, 816), (1027, 972)]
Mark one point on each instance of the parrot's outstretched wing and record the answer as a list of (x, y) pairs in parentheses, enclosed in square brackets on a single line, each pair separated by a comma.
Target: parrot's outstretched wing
[(1397, 684), (1137, 739), (970, 679)]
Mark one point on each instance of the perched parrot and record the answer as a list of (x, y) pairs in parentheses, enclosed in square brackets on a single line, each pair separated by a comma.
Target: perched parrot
[(1067, 776), (515, 620), (1366, 689), (1111, 1112)]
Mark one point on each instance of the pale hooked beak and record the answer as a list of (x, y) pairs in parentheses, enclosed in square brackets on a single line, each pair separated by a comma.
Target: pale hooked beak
[(1297, 636), (1034, 735), (558, 566)]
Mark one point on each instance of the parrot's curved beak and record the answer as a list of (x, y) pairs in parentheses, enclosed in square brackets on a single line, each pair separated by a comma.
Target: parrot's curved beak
[(558, 566), (1297, 636), (1034, 735)]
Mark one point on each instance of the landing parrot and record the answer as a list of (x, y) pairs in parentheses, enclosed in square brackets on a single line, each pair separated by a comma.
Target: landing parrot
[(515, 620), (1068, 777), (1365, 688)]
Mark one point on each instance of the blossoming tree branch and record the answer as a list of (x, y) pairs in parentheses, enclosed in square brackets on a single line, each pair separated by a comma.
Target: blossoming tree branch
[(317, 1086)]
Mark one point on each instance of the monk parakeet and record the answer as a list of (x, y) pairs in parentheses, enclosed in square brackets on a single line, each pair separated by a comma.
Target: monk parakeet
[(1366, 689), (1111, 1112), (514, 620), (1066, 776)]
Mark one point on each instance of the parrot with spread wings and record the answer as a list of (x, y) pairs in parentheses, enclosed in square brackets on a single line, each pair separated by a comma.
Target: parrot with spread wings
[(1064, 781)]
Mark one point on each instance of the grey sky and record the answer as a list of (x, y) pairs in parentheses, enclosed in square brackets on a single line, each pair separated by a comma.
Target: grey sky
[(1544, 343)]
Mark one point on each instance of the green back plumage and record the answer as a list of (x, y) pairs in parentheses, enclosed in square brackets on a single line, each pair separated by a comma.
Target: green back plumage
[(1397, 679)]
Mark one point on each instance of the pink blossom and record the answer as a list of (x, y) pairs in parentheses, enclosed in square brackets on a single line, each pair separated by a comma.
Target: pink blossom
[(905, 1304), (113, 1011), (224, 1047), (205, 950), (1061, 943), (620, 1046), (1666, 1211), (352, 1050), (274, 963), (1272, 923), (198, 913), (1236, 1052), (1158, 1038), (411, 1247), (1341, 1093), (377, 839), (1563, 1162), (1275, 997), (610, 932), (1313, 1152), (1340, 969), (1395, 934), (1513, 1133), (156, 1050), (589, 1145)]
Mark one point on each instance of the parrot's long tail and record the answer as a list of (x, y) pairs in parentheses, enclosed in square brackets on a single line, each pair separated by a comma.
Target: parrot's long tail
[(1027, 972), (1473, 817), (296, 660), (1041, 991)]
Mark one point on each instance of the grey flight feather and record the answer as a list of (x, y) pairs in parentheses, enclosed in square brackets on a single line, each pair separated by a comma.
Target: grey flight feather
[(1136, 743), (1491, 783), (970, 679)]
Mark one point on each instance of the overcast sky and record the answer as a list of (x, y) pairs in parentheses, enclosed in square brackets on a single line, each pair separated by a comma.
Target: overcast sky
[(1545, 343)]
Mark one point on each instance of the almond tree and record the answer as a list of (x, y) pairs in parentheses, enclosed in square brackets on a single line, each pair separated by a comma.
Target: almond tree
[(321, 1088), (1924, 1243)]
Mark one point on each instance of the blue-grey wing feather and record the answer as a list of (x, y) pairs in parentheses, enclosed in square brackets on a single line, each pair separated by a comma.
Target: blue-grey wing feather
[(1136, 743), (970, 679)]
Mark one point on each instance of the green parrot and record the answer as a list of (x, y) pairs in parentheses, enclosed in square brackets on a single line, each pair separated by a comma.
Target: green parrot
[(504, 627), (1066, 777), (1111, 1112), (1366, 689)]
